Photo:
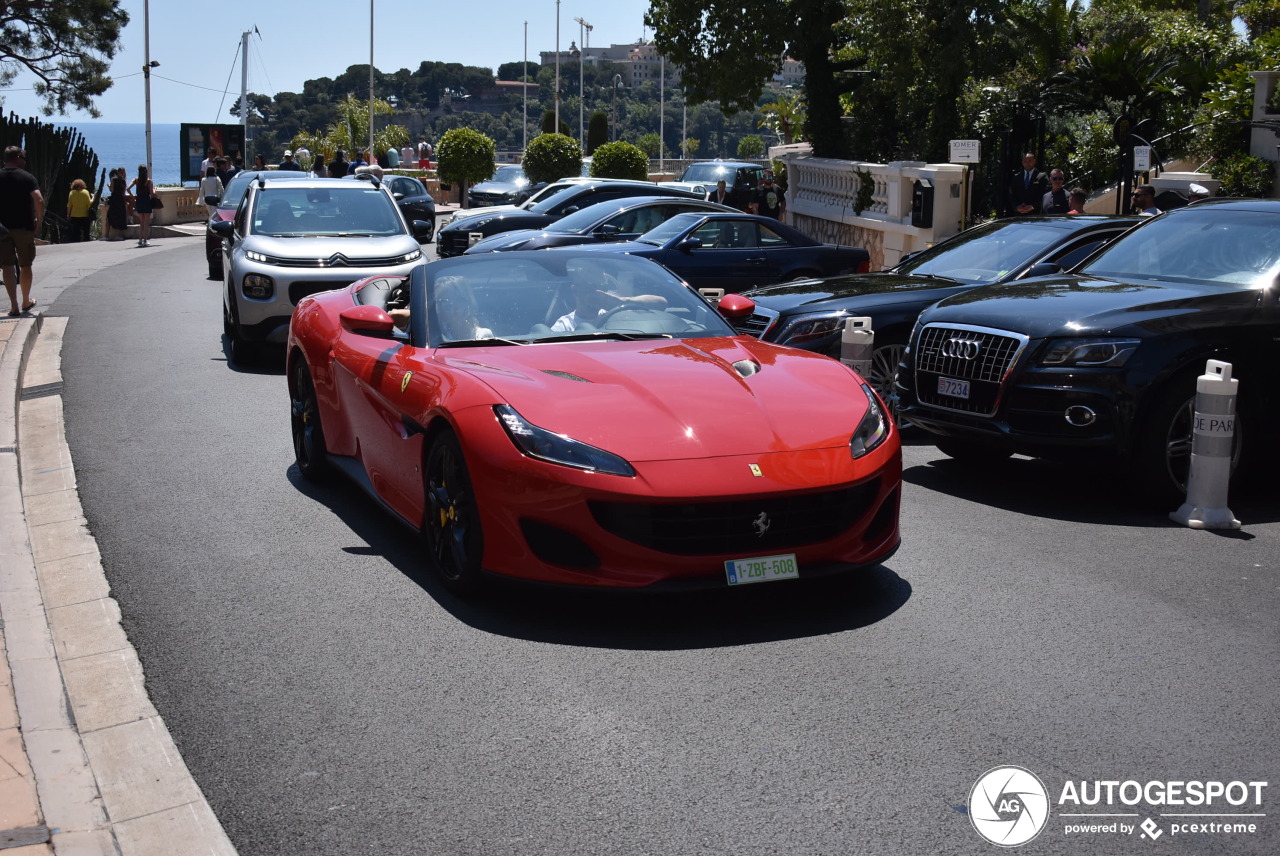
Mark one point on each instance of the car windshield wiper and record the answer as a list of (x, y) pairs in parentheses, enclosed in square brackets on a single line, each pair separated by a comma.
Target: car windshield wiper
[(479, 343), (604, 334)]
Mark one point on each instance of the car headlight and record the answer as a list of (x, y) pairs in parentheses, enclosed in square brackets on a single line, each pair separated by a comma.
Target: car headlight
[(411, 257), (256, 257), (257, 286), (809, 327), (1089, 353), (872, 430), (543, 445)]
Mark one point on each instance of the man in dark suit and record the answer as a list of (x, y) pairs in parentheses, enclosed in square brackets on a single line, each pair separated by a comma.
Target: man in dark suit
[(1027, 187)]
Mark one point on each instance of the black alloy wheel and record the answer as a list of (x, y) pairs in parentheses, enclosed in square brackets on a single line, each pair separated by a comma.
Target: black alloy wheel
[(309, 448), (451, 519), (881, 376)]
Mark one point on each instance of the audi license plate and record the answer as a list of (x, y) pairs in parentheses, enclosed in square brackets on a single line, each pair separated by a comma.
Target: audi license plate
[(763, 569), (952, 387)]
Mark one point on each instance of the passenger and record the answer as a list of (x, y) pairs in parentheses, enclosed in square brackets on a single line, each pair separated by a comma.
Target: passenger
[(456, 311), (591, 301)]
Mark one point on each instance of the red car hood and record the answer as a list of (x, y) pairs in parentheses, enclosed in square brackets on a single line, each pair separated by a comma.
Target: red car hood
[(674, 399)]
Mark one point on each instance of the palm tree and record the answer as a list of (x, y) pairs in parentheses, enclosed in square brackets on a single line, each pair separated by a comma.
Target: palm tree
[(351, 130), (784, 116)]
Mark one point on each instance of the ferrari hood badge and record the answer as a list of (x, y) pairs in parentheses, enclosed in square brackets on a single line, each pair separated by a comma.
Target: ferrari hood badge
[(404, 381), (755, 470)]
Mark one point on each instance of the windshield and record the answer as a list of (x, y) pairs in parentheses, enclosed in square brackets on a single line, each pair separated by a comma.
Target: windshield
[(1197, 244), (711, 172), (659, 235), (984, 253), (346, 209), (509, 174), (526, 298)]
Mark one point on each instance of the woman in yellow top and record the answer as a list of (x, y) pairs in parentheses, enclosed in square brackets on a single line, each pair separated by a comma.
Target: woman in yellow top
[(79, 201)]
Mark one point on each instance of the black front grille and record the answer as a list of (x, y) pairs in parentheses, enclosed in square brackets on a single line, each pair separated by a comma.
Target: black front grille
[(710, 528), (981, 357), (480, 200), (340, 261), (306, 288), (451, 243)]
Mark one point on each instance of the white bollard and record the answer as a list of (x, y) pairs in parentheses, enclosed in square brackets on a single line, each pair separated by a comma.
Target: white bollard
[(857, 341), (1212, 438)]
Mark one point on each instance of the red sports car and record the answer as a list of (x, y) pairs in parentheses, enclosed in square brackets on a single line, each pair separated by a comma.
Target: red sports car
[(589, 419)]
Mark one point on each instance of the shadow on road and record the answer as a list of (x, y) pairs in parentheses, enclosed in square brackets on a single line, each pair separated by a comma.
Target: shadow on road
[(764, 612), (1079, 492)]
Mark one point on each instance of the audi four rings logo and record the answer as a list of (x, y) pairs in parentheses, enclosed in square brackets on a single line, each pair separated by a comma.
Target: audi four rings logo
[(961, 349)]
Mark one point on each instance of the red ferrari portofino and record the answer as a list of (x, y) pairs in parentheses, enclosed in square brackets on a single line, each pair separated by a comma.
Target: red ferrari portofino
[(586, 419)]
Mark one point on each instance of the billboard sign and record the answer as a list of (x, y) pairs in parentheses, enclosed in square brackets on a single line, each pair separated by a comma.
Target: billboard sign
[(200, 141)]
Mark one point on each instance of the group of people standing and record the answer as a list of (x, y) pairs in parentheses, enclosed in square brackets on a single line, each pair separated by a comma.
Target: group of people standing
[(1031, 191), (128, 200)]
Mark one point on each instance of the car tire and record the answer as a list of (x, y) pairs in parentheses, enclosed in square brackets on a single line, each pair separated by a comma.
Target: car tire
[(972, 454), (240, 351), (215, 266), (309, 449), (884, 370), (1161, 457), (451, 517)]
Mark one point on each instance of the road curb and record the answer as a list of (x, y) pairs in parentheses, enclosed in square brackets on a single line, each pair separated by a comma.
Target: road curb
[(107, 773)]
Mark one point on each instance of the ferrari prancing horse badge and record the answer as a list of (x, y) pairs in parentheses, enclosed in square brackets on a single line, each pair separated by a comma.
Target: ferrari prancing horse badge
[(404, 381)]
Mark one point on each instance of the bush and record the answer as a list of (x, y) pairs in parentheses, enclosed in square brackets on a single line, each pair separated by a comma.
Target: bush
[(1248, 176), (551, 157), (549, 123), (465, 156), (650, 144), (620, 160), (750, 146), (597, 131)]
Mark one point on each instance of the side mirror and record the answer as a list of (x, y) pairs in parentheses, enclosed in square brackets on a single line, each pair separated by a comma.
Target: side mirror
[(689, 244), (421, 230), (223, 228), (1043, 269), (367, 319), (570, 210), (607, 232), (733, 306), (398, 196)]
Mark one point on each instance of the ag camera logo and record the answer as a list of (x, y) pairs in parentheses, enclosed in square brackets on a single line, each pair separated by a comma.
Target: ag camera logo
[(1008, 806)]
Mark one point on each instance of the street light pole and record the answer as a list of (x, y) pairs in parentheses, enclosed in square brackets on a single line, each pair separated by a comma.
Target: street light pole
[(613, 125), (584, 32), (372, 155), (556, 130), (525, 78), (662, 109), (146, 76)]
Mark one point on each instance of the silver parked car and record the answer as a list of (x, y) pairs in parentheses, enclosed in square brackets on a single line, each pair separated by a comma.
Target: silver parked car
[(296, 238)]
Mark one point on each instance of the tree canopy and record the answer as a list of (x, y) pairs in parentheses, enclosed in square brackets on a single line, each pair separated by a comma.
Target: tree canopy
[(66, 45)]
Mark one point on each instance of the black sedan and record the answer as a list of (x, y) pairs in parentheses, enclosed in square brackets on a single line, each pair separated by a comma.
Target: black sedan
[(617, 220), (462, 232), (811, 314), (1102, 364), (414, 201), (735, 252)]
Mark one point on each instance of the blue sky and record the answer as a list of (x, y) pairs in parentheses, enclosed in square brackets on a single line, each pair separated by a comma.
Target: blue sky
[(196, 44)]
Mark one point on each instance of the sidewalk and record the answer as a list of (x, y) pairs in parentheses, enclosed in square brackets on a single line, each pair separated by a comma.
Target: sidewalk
[(87, 766)]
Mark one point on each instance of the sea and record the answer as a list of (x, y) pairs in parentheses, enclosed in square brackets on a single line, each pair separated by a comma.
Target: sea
[(125, 144)]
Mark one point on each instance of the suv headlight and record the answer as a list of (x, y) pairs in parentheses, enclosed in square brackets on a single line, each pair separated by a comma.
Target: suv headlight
[(411, 257), (543, 445), (807, 328), (257, 257), (872, 430), (257, 286), (1089, 353)]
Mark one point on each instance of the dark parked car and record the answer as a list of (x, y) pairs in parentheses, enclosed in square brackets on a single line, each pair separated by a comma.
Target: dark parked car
[(737, 251), (226, 210), (616, 220), (811, 314), (462, 232), (741, 180), (508, 186), (414, 201), (1102, 363)]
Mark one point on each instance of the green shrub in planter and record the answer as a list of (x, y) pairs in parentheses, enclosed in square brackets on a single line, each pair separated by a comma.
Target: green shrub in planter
[(1244, 175), (551, 157), (465, 156), (620, 160)]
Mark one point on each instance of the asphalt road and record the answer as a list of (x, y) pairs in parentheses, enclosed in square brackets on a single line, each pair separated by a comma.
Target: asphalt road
[(331, 698)]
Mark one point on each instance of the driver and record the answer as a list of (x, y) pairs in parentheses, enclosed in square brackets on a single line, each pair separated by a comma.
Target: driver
[(594, 294)]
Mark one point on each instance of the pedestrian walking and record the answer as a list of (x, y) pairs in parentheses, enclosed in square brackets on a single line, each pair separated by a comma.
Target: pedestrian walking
[(21, 211), (769, 200), (143, 204), (289, 164), (318, 169), (210, 185), (339, 165), (1056, 200), (79, 201), (259, 163)]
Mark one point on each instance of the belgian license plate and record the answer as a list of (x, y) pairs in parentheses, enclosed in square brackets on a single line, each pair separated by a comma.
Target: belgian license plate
[(763, 569), (952, 387)]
